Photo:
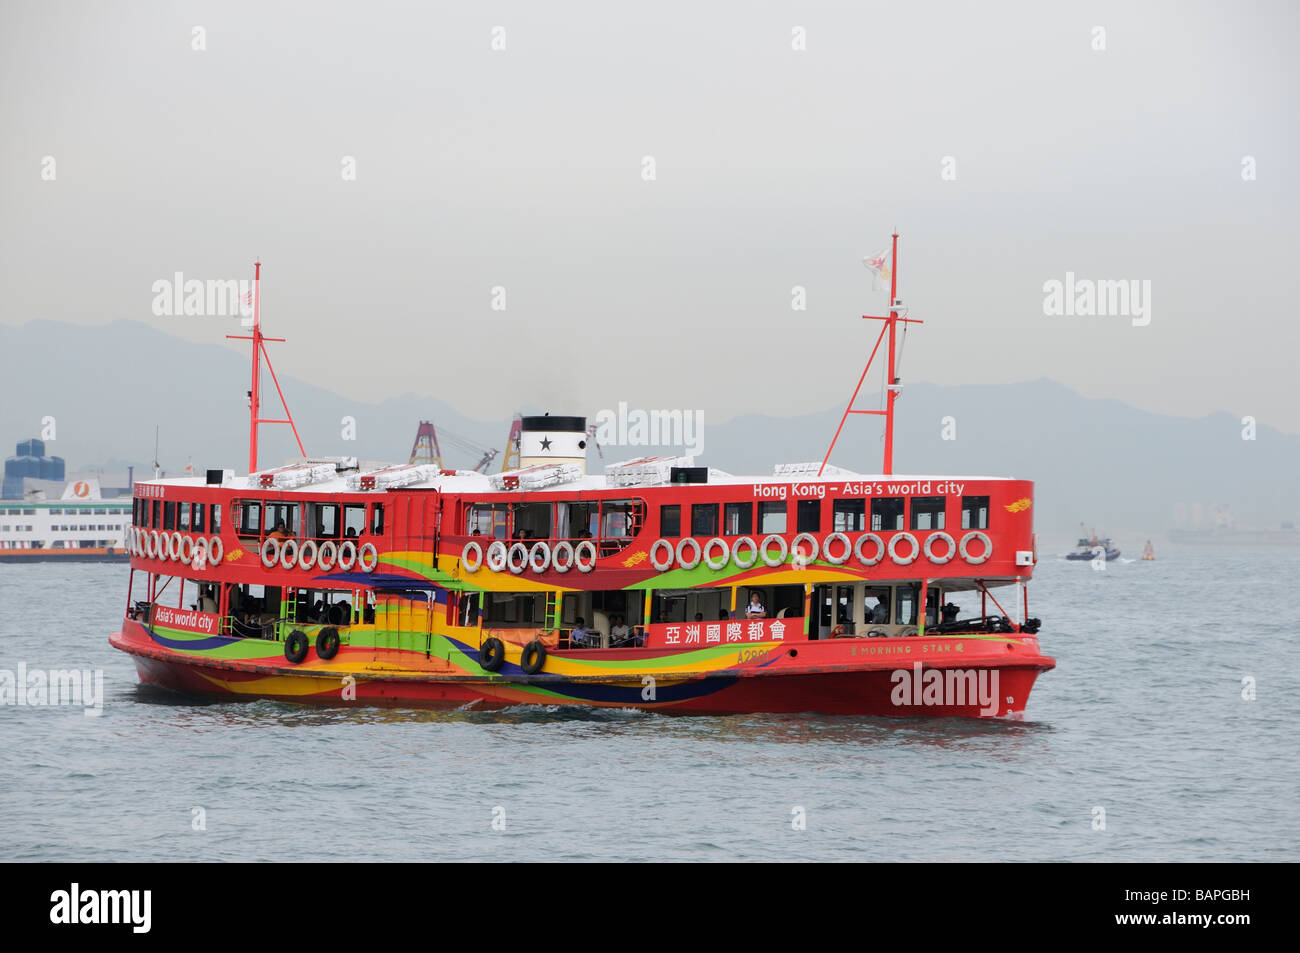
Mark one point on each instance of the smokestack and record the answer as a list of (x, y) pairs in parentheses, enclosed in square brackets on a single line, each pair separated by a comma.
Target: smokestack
[(548, 439)]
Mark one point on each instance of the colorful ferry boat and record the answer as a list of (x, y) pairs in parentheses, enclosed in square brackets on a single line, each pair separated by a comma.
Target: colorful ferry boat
[(656, 585)]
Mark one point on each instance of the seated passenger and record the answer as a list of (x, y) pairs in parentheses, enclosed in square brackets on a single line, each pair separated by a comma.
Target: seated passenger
[(583, 637), (206, 602), (279, 532), (755, 609), (620, 634)]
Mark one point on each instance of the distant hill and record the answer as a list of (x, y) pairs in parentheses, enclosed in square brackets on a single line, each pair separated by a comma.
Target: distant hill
[(1097, 461)]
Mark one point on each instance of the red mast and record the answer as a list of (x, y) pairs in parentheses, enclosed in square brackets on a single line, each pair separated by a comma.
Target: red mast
[(892, 385), (255, 395)]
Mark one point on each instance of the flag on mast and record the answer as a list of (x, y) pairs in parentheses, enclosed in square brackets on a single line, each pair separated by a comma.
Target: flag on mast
[(879, 266)]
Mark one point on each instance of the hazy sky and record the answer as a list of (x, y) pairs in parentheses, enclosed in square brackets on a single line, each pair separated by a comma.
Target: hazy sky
[(775, 167)]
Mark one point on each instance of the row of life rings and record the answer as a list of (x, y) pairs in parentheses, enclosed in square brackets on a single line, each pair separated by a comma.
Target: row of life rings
[(717, 552), (176, 546), (541, 556), (290, 554), (287, 554), (902, 550)]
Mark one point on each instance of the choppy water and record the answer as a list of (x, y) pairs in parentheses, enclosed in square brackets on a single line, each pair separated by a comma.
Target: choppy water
[(1144, 718)]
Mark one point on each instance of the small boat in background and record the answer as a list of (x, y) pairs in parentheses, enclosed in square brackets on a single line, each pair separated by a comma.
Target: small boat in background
[(1090, 547)]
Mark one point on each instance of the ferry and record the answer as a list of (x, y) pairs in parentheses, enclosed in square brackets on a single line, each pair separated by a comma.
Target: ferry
[(80, 526), (656, 585)]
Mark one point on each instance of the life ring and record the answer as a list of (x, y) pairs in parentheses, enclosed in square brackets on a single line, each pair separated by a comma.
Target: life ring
[(492, 655), (545, 550), (695, 560), (497, 555), (880, 549), (929, 548), (364, 563), (151, 544), (726, 553), (667, 563), (214, 550), (826, 549), (533, 657), (590, 547), (288, 554), (510, 558), (199, 553), (471, 548), (800, 557), (307, 554), (327, 642), (270, 551), (185, 550), (566, 547), (295, 646), (893, 548), (964, 548), (326, 555), (763, 550), (753, 552), (175, 550), (347, 554)]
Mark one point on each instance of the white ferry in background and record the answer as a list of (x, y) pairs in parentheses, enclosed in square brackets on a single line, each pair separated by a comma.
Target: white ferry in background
[(80, 526)]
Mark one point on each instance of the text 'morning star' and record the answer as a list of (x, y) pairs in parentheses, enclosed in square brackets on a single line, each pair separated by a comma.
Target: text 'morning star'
[(546, 443)]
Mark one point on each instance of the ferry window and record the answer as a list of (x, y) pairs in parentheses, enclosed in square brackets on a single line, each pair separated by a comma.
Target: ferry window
[(850, 516), (248, 517), (887, 513), (907, 600), (377, 519), (135, 512), (487, 519), (771, 516), (683, 605), (524, 609), (974, 512), (169, 515), (354, 519), (185, 517), (157, 508), (876, 605), (197, 520), (670, 520), (927, 512), (738, 519), (216, 518), (809, 516), (286, 513), (620, 519), (468, 609), (704, 519), (532, 521), (326, 519)]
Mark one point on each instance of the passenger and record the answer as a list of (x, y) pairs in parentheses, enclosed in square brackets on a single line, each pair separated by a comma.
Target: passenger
[(699, 617), (620, 634), (206, 601), (280, 532), (755, 609), (581, 636), (724, 615), (351, 533)]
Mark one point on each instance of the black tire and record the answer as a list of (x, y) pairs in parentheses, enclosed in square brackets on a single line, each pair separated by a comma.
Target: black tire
[(533, 658), (327, 643), (336, 615), (492, 655), (295, 646)]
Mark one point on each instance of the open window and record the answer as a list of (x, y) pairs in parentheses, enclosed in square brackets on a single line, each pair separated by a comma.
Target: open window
[(886, 513)]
